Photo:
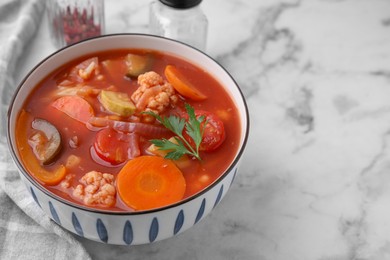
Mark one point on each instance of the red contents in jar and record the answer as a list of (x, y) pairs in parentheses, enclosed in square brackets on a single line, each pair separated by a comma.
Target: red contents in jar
[(78, 25)]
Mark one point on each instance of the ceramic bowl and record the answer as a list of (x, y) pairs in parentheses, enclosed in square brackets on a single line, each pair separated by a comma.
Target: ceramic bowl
[(128, 228)]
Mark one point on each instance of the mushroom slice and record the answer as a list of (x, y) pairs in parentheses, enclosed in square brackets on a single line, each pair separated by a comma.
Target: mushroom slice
[(45, 141)]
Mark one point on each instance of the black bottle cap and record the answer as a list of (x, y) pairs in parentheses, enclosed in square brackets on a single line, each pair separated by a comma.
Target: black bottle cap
[(181, 4)]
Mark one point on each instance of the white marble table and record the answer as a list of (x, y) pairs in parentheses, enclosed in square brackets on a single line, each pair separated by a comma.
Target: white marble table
[(315, 179)]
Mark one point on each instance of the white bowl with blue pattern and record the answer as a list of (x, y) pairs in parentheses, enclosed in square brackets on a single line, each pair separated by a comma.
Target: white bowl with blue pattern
[(128, 228)]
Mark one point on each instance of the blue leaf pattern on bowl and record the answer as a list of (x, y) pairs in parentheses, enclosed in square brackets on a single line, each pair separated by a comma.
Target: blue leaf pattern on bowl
[(200, 211), (179, 222), (153, 231), (54, 213), (219, 196), (128, 233), (234, 176), (102, 231), (76, 225), (35, 197)]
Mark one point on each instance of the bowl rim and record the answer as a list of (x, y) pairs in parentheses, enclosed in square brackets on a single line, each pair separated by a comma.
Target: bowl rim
[(112, 212)]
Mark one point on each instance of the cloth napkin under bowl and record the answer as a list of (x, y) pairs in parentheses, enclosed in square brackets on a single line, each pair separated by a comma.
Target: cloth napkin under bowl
[(25, 231)]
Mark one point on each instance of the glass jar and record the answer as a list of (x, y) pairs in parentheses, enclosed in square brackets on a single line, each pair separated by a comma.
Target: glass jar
[(71, 21), (182, 20)]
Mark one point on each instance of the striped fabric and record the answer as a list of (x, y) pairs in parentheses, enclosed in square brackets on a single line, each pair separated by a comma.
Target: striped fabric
[(25, 232)]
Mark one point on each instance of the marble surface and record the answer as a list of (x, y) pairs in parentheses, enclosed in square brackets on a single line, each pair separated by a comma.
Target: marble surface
[(315, 178)]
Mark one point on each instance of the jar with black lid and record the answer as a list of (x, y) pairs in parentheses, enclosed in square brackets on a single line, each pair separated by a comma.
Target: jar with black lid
[(182, 20)]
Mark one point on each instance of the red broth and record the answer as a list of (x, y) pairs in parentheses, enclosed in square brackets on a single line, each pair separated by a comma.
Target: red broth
[(78, 140)]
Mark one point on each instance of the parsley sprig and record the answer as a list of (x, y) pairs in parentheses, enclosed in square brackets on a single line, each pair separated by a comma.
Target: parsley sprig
[(177, 125)]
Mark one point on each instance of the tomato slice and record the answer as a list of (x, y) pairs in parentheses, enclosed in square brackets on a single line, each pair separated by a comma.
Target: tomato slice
[(214, 131), (112, 146)]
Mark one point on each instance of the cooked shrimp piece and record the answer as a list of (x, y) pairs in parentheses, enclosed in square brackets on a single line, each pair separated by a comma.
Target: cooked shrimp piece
[(154, 93), (96, 189)]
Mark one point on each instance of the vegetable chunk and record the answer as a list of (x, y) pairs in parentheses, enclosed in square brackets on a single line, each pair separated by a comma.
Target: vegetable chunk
[(46, 142), (154, 93), (116, 147), (137, 64), (182, 84), (75, 107), (97, 189), (30, 161), (117, 102), (148, 182)]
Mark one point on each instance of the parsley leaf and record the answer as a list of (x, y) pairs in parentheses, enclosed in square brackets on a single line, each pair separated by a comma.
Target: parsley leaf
[(193, 128), (175, 150)]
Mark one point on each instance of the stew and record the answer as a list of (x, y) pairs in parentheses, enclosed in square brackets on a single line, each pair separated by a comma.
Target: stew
[(128, 130)]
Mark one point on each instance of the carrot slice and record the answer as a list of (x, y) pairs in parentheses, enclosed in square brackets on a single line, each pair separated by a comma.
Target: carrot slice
[(148, 182), (75, 107), (182, 85), (28, 158)]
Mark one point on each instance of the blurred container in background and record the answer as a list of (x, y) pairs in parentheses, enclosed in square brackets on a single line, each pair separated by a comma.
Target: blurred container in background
[(71, 21), (182, 20)]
